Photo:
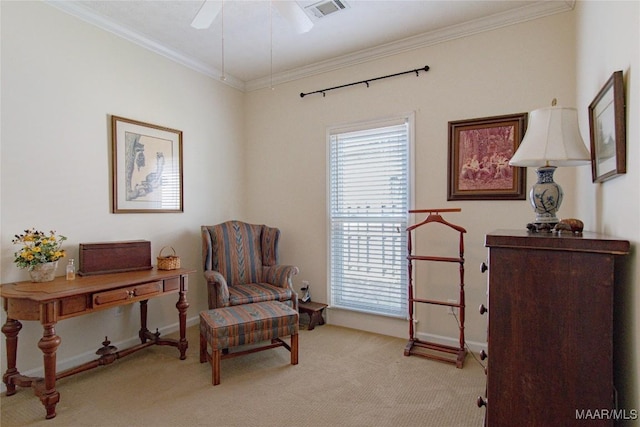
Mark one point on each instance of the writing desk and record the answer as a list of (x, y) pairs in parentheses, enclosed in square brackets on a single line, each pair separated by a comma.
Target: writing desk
[(61, 299)]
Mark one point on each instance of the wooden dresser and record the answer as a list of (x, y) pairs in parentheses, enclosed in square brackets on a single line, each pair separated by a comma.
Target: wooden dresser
[(550, 335)]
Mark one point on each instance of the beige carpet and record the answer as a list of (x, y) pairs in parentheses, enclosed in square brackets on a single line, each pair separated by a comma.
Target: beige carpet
[(344, 378)]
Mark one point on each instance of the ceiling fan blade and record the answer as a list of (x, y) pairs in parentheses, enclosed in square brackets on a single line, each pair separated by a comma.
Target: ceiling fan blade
[(207, 13), (295, 15)]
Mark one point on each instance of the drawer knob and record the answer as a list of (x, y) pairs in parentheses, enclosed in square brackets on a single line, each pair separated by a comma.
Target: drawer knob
[(131, 294), (483, 267), (482, 402), (483, 309), (483, 355)]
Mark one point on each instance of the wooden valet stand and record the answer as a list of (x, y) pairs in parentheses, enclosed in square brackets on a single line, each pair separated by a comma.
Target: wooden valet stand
[(415, 346)]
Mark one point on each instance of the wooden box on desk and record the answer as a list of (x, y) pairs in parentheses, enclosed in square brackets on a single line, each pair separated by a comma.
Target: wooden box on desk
[(114, 257)]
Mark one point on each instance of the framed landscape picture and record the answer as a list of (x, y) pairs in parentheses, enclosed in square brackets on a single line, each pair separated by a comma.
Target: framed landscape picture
[(608, 131), (479, 154), (146, 167)]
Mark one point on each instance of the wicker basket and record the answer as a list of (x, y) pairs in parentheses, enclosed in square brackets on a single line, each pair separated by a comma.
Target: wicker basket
[(171, 262)]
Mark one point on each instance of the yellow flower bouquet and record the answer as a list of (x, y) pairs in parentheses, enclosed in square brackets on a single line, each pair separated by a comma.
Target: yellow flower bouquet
[(38, 248)]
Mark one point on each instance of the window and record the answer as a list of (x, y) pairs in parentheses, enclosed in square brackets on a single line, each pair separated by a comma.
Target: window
[(369, 202)]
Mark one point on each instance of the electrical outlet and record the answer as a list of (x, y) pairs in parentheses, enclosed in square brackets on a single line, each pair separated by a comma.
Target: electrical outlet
[(119, 310), (451, 310)]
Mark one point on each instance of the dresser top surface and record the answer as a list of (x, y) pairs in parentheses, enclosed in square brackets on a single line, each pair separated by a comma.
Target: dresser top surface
[(582, 242)]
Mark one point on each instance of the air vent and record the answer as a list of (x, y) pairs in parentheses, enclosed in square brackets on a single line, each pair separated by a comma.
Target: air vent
[(324, 8)]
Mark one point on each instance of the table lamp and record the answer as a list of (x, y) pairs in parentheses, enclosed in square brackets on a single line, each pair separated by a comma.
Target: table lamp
[(552, 139)]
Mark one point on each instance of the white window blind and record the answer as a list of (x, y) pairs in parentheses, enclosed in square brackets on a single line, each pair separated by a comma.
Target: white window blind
[(369, 192)]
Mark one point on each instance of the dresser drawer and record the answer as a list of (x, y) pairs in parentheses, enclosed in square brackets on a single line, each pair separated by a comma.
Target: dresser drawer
[(131, 293)]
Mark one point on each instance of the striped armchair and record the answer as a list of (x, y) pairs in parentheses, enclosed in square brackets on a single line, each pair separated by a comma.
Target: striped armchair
[(241, 265)]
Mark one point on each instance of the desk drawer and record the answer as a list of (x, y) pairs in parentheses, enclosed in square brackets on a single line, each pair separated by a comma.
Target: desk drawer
[(172, 284), (73, 305), (119, 296)]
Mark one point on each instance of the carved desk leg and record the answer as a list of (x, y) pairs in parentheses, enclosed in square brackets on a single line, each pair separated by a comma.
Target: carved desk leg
[(144, 332), (11, 329), (48, 394), (182, 306)]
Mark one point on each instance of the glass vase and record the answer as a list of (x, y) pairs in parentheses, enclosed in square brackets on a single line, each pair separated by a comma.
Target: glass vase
[(45, 272)]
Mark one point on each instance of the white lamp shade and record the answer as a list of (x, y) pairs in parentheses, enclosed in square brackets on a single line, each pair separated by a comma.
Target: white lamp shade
[(552, 138)]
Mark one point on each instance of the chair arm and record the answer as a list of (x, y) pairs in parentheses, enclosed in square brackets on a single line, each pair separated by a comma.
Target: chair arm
[(217, 289), (279, 275)]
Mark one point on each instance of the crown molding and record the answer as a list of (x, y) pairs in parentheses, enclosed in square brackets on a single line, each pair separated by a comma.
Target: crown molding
[(523, 14), (526, 13), (88, 16)]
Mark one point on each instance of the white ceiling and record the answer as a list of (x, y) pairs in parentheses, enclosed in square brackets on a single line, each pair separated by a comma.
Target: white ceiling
[(261, 47)]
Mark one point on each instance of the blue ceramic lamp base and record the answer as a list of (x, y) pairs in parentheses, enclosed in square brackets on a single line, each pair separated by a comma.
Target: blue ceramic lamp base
[(545, 197)]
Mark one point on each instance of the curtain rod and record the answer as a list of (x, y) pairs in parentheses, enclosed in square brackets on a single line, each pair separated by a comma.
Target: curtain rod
[(323, 91)]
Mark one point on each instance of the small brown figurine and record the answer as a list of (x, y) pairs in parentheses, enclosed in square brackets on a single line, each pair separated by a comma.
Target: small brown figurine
[(572, 225)]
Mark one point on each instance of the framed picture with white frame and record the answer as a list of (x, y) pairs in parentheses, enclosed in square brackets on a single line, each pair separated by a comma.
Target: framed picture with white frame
[(146, 167)]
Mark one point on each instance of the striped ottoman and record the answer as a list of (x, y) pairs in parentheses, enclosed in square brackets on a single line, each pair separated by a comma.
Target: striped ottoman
[(223, 328)]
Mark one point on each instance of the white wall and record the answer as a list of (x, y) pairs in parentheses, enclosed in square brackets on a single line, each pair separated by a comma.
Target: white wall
[(510, 70), (261, 156), (61, 80), (608, 35)]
